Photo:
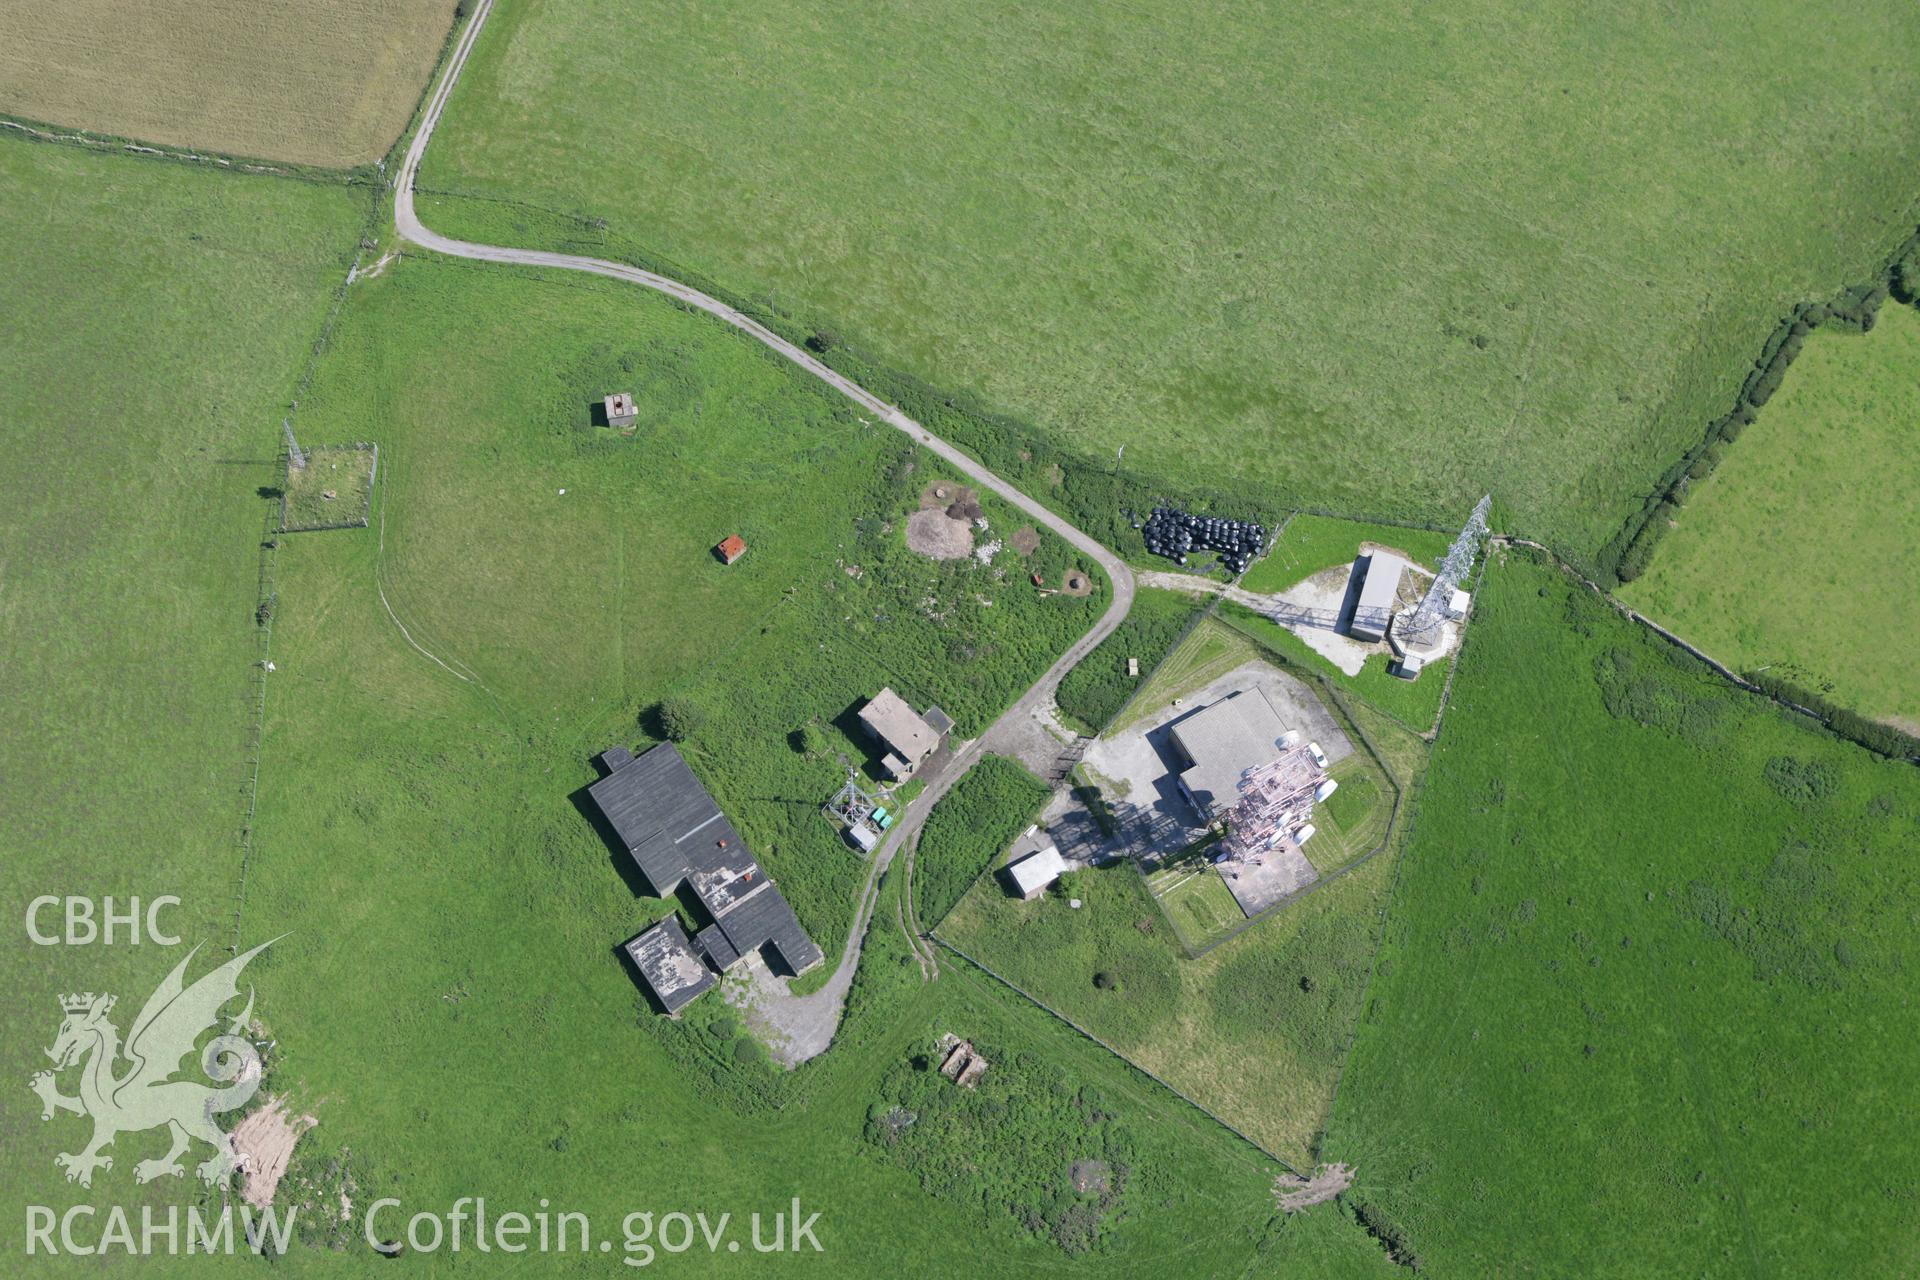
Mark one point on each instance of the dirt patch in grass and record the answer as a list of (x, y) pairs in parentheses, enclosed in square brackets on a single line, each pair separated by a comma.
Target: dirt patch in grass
[(937, 535), (1294, 1193), (939, 495), (264, 1144), (1076, 583), (1025, 540)]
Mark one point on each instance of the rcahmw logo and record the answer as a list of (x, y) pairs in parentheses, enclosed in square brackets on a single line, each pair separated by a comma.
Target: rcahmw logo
[(133, 1085)]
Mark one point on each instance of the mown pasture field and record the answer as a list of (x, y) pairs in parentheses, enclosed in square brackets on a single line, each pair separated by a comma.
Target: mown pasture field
[(1644, 1003), (330, 85), (1798, 552), (153, 334), (1312, 543), (1372, 262)]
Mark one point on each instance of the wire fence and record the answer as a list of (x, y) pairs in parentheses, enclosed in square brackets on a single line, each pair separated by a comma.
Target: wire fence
[(1202, 1108)]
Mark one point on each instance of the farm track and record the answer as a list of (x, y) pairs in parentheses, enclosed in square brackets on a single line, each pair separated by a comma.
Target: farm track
[(819, 1012)]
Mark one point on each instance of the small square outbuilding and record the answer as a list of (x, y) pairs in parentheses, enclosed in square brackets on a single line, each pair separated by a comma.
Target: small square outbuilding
[(621, 413)]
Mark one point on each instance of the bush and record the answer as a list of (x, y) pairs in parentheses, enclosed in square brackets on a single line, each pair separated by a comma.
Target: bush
[(1801, 782), (678, 719), (1640, 551)]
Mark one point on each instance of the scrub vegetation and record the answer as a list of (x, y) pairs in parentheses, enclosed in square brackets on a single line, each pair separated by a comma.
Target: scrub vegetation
[(1797, 553), (969, 831), (1028, 1144), (1098, 687), (1369, 262), (329, 85), (1644, 999), (1254, 1030)]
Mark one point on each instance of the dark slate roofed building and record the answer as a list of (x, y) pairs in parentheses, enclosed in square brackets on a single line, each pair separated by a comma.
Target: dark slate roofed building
[(766, 919), (676, 834), (658, 809), (712, 943), (667, 962)]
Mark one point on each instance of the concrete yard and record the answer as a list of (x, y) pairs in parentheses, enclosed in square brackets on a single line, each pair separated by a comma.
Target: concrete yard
[(1257, 883)]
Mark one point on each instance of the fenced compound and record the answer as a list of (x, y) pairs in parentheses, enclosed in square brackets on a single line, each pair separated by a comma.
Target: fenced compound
[(1168, 882), (312, 499)]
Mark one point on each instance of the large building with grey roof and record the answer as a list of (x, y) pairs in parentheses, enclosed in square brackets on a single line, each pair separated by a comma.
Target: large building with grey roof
[(677, 836), (1221, 743), (1379, 591)]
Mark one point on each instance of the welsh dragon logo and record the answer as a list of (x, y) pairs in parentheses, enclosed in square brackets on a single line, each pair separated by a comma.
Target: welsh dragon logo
[(145, 1095)]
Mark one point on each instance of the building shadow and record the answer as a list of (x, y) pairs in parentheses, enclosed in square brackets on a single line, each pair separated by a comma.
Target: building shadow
[(1350, 601), (623, 863)]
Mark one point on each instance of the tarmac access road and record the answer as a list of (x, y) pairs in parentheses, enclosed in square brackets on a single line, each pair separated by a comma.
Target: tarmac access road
[(806, 1023)]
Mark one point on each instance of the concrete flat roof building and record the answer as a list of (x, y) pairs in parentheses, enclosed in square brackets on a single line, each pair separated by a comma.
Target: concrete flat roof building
[(909, 739), (1221, 743), (676, 834), (1031, 874), (620, 409), (1373, 611), (666, 960)]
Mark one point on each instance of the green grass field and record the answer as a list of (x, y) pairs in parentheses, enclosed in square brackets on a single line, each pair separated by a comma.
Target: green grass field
[(428, 820), (1792, 554), (564, 574), (329, 85), (1209, 651), (969, 832), (1312, 543), (1377, 262), (156, 330), (446, 998), (1237, 1030), (1644, 1005), (1098, 687)]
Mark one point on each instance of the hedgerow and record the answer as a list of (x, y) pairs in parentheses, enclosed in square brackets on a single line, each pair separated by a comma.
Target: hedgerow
[(1852, 310)]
